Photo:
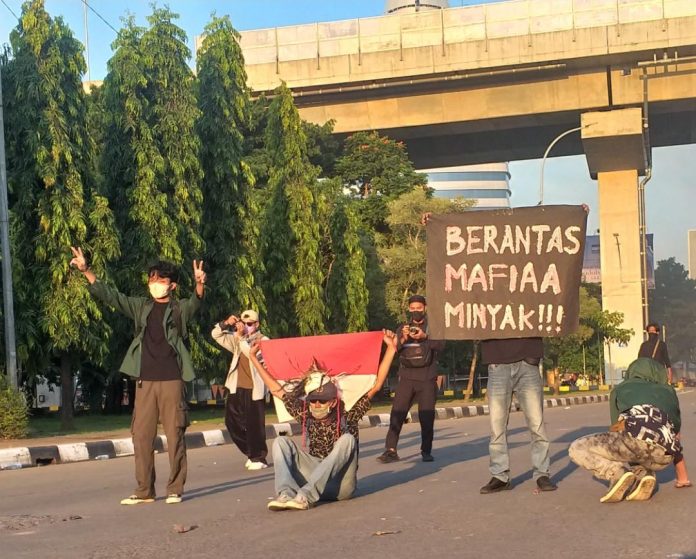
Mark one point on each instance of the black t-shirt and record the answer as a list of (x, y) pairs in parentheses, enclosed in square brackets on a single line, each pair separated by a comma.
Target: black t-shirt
[(499, 352), (159, 360), (647, 349), (428, 372)]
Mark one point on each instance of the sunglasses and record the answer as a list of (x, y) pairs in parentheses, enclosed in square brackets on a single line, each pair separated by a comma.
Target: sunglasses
[(319, 402)]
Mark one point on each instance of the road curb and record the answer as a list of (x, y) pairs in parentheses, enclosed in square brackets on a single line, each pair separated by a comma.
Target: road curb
[(28, 457)]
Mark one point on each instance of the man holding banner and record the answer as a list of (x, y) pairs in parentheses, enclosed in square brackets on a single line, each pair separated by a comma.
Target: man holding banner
[(508, 277), (329, 415)]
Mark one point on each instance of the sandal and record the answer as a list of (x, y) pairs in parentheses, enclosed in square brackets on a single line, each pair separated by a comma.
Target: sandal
[(682, 484)]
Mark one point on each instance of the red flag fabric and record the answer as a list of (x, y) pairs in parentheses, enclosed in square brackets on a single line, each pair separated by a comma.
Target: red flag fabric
[(351, 354)]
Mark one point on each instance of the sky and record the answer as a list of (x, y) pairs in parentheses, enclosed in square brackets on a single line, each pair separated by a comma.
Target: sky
[(670, 195)]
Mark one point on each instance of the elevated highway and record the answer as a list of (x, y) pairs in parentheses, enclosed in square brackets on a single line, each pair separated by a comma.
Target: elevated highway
[(488, 83)]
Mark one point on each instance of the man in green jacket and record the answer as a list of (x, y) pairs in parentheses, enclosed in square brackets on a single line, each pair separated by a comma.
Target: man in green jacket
[(159, 359), (643, 438)]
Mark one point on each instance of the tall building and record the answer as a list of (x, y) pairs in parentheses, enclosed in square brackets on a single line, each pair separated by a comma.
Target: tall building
[(692, 253), (488, 184)]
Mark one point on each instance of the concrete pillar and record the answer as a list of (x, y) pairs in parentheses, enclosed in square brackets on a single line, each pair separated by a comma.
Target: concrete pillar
[(620, 263), (616, 154)]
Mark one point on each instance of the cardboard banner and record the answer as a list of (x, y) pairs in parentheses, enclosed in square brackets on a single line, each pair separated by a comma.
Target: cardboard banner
[(353, 358), (512, 273)]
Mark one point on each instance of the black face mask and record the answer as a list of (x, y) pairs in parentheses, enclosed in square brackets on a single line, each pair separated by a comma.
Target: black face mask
[(416, 316), (652, 335)]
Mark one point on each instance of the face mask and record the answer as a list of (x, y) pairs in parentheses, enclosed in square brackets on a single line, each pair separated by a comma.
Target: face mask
[(417, 315), (652, 335), (158, 290), (249, 329), (320, 412)]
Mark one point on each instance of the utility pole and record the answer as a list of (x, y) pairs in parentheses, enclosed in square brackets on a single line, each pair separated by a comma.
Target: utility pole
[(8, 303)]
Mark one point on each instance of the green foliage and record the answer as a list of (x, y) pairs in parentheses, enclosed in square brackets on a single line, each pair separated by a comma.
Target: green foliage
[(346, 290), (674, 306), (377, 169), (290, 233), (582, 350), (231, 216), (55, 202), (151, 151), (14, 412), (403, 251)]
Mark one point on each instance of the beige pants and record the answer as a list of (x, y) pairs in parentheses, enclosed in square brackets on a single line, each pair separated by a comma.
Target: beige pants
[(163, 402)]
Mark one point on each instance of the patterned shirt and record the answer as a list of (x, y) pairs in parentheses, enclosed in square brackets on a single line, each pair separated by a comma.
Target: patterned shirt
[(649, 423), (323, 433)]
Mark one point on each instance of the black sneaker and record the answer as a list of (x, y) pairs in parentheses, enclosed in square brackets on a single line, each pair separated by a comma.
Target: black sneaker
[(388, 456), (495, 485), (427, 457), (545, 484)]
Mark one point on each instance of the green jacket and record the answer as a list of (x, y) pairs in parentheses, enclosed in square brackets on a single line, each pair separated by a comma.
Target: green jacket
[(645, 383), (138, 308)]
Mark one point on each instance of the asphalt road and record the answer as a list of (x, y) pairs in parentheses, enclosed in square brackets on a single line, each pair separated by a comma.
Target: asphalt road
[(421, 510)]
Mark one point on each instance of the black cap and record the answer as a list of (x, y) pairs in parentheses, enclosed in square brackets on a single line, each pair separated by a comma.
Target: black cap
[(416, 299), (325, 393)]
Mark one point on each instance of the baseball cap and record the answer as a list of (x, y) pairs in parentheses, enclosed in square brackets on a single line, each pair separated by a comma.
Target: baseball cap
[(250, 316)]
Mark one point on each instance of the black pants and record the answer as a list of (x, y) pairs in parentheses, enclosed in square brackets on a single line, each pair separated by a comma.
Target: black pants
[(425, 393), (246, 422)]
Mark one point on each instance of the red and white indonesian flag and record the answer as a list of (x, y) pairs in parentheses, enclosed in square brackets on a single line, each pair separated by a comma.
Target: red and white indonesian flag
[(352, 358)]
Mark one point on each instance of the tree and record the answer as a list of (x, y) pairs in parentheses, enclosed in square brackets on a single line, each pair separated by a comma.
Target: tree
[(377, 169), (403, 254), (290, 233), (55, 201), (346, 290), (230, 223), (674, 306), (597, 327)]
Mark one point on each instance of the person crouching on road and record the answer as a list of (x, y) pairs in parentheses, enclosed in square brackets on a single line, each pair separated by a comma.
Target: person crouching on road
[(643, 437), (328, 470), (245, 405), (159, 359)]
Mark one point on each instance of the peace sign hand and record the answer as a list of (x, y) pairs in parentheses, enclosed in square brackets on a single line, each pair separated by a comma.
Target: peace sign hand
[(198, 272), (79, 261)]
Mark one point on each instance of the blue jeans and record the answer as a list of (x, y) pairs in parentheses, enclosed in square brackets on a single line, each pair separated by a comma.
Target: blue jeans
[(523, 379), (333, 478)]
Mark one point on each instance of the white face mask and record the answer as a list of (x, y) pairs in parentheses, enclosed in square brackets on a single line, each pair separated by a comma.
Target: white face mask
[(320, 412), (249, 329), (158, 290)]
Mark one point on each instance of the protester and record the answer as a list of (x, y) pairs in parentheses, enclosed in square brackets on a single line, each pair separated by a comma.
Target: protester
[(245, 405), (513, 366), (417, 381), (159, 359), (643, 438), (328, 469), (656, 349)]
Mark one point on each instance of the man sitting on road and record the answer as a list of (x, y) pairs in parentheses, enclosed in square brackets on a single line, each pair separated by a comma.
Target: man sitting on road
[(329, 470), (643, 438)]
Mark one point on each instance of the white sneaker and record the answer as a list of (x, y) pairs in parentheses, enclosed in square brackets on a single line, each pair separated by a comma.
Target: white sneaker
[(246, 464), (256, 466), (173, 499)]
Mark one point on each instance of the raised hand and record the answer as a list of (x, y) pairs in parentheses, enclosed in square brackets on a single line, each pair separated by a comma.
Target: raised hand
[(198, 273), (79, 261), (389, 339)]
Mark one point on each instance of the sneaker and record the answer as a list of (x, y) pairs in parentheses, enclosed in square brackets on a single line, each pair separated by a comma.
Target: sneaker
[(619, 488), (135, 500), (246, 464), (388, 456), (643, 490), (545, 484), (279, 503), (256, 466), (495, 485), (298, 503), (173, 499), (427, 457)]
